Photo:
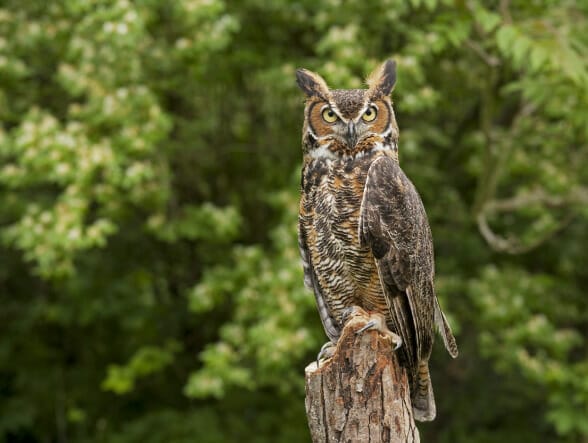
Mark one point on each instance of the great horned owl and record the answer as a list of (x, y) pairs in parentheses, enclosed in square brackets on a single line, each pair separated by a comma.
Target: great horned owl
[(364, 236)]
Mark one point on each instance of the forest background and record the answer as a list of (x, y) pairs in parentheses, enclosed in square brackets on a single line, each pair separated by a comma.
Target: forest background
[(150, 283)]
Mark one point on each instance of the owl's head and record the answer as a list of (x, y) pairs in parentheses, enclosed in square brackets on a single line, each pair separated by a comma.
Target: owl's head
[(346, 123)]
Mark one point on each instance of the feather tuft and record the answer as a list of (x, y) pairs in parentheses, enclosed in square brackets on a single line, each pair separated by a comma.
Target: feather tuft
[(382, 80), (312, 84)]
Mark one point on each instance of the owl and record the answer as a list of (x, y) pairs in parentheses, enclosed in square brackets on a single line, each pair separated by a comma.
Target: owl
[(363, 232)]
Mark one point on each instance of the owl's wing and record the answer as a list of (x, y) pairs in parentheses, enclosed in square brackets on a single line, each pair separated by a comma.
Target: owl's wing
[(393, 223)]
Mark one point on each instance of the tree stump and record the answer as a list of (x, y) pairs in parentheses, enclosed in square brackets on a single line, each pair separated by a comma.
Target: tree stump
[(361, 393)]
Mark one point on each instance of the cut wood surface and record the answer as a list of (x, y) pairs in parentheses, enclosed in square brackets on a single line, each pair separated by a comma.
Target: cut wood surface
[(361, 394)]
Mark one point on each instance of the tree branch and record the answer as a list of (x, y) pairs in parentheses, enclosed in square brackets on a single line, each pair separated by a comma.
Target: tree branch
[(510, 245)]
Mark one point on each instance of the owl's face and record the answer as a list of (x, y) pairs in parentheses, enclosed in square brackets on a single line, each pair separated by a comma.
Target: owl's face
[(346, 123)]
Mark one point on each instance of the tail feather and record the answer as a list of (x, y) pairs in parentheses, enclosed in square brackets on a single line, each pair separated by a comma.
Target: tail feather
[(445, 331), (423, 400)]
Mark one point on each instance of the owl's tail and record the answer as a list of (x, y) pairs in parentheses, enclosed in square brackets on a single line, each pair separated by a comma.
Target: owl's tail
[(423, 400)]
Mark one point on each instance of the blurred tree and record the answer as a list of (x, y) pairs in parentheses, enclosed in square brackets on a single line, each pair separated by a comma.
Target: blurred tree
[(150, 286)]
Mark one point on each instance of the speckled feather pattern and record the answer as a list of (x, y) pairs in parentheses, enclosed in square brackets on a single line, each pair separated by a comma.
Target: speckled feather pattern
[(344, 271)]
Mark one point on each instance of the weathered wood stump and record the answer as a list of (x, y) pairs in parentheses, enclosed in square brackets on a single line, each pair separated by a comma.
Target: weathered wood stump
[(361, 394)]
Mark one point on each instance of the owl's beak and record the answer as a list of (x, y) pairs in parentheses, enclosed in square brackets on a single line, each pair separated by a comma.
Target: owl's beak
[(351, 134)]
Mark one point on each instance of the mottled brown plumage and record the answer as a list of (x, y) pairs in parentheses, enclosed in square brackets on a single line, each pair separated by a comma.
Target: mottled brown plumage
[(364, 236)]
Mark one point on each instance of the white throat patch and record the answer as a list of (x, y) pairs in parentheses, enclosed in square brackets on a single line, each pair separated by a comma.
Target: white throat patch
[(323, 152)]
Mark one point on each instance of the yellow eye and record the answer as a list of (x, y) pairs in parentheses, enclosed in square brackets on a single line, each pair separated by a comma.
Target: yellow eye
[(370, 114), (329, 115)]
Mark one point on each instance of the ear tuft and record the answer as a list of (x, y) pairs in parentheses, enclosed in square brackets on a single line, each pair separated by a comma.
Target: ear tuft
[(382, 80), (312, 84)]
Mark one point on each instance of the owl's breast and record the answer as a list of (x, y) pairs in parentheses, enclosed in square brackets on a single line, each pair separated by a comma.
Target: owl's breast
[(346, 273)]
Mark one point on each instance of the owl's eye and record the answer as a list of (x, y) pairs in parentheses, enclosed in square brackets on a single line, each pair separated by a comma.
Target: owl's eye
[(329, 115), (370, 114)]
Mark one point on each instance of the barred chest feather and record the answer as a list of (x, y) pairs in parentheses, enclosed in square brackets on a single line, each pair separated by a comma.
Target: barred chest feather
[(346, 273)]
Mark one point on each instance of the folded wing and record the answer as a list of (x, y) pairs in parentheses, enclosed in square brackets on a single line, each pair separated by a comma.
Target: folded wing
[(393, 223)]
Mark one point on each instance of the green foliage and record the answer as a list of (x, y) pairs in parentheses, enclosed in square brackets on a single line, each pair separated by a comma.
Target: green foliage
[(147, 360), (269, 332), (150, 282), (521, 335)]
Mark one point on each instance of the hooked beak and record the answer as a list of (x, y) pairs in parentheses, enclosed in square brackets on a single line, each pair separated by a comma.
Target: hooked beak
[(351, 134)]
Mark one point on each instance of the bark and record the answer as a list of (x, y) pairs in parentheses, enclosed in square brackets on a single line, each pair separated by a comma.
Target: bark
[(361, 393)]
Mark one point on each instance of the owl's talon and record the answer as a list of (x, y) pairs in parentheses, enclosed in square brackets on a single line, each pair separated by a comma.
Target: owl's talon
[(326, 352), (397, 340), (378, 323), (367, 326)]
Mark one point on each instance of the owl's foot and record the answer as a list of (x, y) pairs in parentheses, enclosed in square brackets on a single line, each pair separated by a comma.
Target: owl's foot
[(326, 352), (378, 322)]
